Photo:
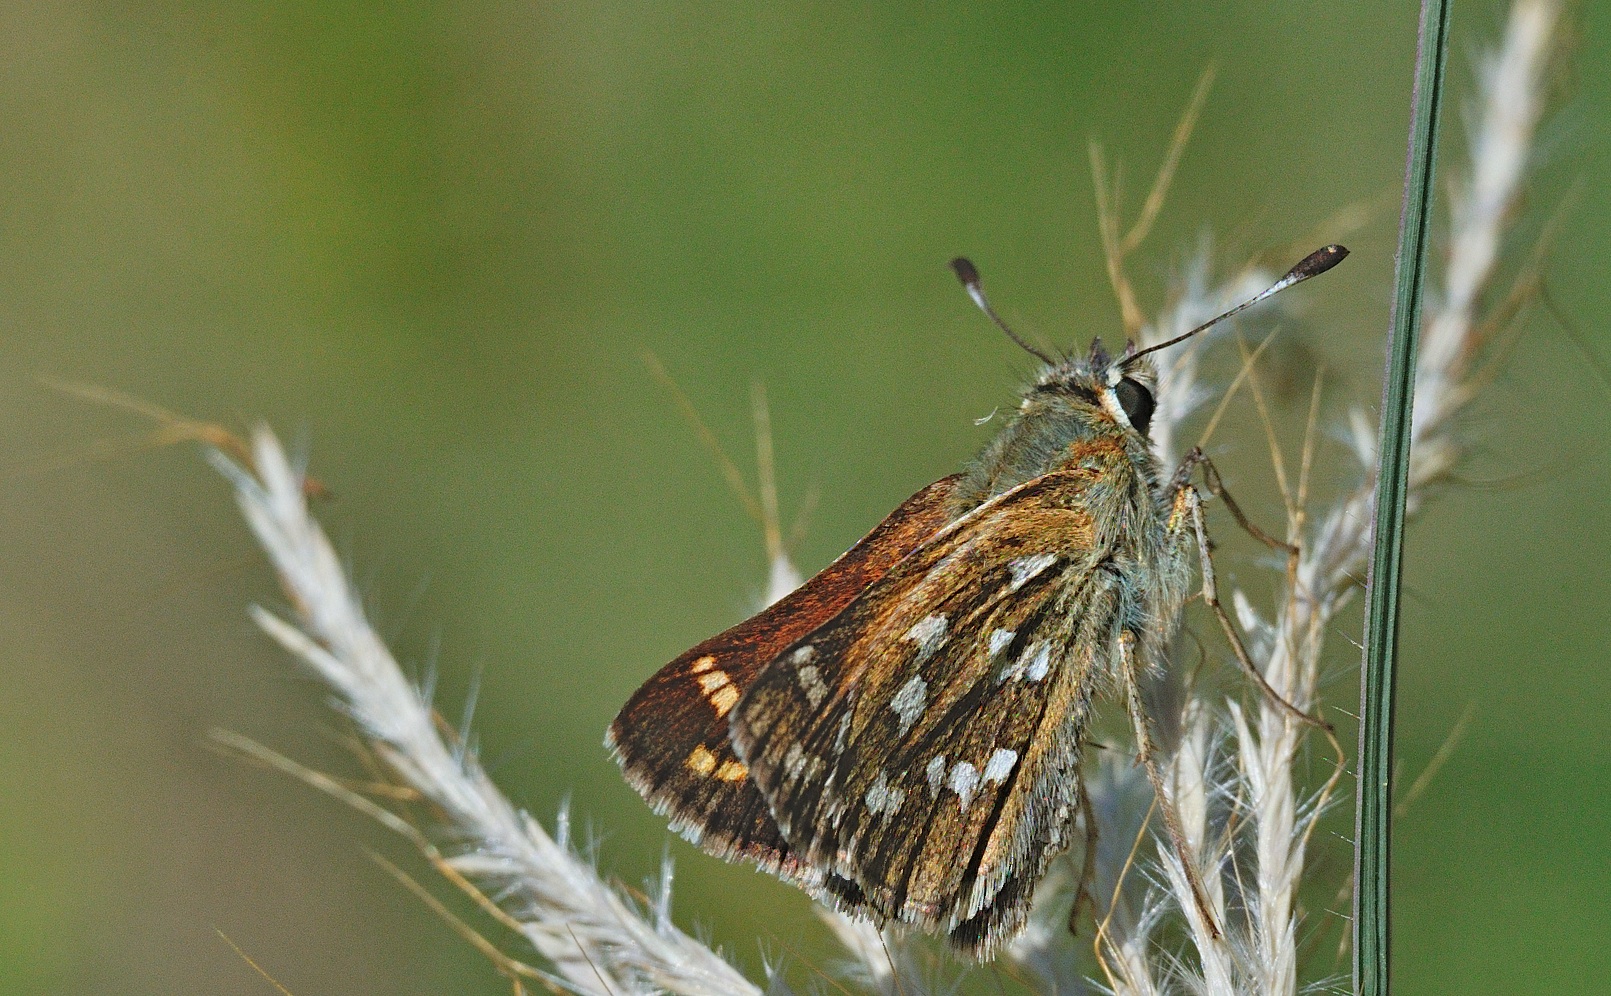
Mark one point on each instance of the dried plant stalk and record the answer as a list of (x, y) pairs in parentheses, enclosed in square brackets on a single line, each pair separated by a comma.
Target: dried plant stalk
[(597, 940), (1266, 821), (1233, 772)]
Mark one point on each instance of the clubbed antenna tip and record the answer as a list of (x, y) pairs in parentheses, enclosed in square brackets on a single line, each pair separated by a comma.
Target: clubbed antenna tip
[(969, 275), (1312, 265)]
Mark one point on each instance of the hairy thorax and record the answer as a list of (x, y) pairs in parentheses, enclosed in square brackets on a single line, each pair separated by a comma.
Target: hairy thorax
[(1061, 428)]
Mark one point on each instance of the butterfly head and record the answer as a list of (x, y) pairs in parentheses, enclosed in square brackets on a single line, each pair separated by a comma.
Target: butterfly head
[(1094, 408), (1123, 388), (1080, 407)]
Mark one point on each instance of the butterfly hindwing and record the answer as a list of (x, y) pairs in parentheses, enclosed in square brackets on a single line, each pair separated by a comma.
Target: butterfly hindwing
[(925, 742), (671, 737)]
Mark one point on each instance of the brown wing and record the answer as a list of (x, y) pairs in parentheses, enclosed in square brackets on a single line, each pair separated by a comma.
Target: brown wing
[(925, 743), (671, 737)]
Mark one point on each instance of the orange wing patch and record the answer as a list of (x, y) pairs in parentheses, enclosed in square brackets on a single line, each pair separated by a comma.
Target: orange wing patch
[(671, 738), (719, 689), (701, 761)]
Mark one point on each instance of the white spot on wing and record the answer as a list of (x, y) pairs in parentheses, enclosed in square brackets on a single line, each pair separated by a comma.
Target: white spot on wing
[(794, 761), (844, 731), (803, 655), (1033, 662), (964, 782), (878, 793), (1025, 568), (1000, 765), (936, 774), (883, 799), (798, 765), (999, 640), (811, 683), (929, 635), (1040, 665), (909, 701)]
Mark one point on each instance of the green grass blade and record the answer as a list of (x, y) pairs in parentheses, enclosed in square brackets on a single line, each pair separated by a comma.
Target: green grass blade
[(1375, 804)]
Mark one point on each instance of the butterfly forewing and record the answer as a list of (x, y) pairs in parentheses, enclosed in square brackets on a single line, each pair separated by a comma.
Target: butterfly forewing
[(903, 736), (924, 743), (671, 738)]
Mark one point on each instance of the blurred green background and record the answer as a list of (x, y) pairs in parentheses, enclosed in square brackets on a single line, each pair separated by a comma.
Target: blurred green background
[(431, 242)]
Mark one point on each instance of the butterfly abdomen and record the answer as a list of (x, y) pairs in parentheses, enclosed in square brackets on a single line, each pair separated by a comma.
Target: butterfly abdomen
[(903, 734)]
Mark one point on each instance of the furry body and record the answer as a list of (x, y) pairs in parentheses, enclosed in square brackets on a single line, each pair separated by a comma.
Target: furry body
[(903, 735)]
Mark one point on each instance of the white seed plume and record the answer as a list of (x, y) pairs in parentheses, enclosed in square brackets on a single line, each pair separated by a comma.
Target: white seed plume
[(596, 940), (1253, 763), (1228, 760)]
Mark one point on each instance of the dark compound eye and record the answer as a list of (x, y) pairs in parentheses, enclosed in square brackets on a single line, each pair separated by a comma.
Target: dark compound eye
[(1137, 403)]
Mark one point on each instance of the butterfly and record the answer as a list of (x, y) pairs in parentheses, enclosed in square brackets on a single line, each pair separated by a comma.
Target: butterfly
[(902, 735)]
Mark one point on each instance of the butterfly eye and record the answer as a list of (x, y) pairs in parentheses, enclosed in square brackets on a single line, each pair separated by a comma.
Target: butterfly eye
[(1137, 403)]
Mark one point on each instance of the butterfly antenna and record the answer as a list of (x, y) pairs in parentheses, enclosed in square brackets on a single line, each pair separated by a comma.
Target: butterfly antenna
[(969, 275), (1312, 265)]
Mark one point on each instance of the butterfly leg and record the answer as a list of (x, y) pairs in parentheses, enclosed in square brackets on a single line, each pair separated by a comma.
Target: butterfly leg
[(1085, 888), (1193, 504), (1216, 486), (1147, 751), (1188, 500)]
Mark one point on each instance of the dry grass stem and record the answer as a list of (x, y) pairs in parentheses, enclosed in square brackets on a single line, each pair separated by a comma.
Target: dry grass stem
[(1251, 778), (1232, 769), (597, 940)]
